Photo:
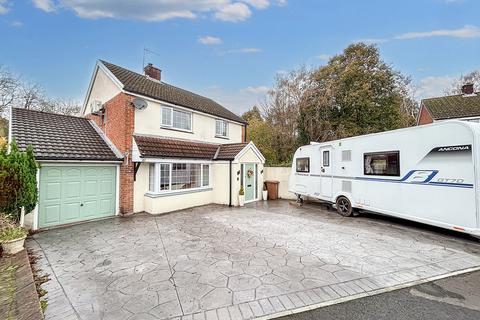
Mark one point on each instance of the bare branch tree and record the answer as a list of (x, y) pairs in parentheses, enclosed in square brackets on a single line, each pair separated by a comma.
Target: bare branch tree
[(472, 77)]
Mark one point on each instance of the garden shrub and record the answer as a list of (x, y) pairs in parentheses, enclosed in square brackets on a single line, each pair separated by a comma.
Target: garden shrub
[(18, 181)]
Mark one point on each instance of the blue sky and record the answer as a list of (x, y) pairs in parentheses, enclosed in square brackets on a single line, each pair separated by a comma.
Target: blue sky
[(231, 50)]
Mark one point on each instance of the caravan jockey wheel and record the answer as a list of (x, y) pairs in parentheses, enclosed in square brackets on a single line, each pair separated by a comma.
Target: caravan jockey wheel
[(344, 207)]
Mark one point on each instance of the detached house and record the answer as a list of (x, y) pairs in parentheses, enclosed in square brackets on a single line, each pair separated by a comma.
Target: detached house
[(140, 145), (464, 106)]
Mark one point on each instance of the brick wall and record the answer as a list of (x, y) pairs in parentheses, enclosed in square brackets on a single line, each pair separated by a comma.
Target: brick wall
[(424, 117), (118, 125)]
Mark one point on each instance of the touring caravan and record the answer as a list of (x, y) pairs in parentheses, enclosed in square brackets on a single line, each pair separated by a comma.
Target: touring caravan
[(428, 174)]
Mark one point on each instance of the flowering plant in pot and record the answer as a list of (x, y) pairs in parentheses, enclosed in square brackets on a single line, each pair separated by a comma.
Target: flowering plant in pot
[(241, 197), (265, 192), (12, 238)]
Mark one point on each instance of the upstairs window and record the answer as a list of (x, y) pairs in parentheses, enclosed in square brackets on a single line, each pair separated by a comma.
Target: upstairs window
[(221, 128), (382, 163), (176, 119)]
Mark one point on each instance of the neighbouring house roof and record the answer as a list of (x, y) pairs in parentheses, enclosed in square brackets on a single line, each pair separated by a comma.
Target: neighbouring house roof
[(140, 84), (59, 137), (160, 147), (451, 107)]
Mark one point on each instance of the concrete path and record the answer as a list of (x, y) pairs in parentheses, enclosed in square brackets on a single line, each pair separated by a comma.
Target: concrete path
[(451, 298), (214, 262)]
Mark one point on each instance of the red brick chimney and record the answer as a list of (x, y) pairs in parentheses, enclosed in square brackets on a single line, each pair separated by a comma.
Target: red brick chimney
[(467, 88), (153, 72)]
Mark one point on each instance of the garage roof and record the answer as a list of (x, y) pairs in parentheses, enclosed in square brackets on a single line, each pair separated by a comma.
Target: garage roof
[(59, 137)]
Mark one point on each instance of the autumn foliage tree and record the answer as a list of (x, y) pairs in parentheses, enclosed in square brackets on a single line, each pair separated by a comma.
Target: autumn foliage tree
[(355, 93)]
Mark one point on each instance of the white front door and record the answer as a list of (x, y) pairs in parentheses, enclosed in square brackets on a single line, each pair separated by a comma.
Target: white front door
[(326, 179)]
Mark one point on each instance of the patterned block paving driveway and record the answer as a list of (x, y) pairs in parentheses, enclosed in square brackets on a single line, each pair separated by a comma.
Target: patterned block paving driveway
[(214, 262)]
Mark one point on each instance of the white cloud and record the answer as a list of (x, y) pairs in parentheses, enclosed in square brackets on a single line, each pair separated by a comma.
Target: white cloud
[(245, 50), (233, 12), (238, 101), (209, 40), (155, 10), (372, 40), (323, 57), (465, 32), (281, 3), (16, 24), (433, 86), (257, 90), (4, 7), (44, 5), (258, 4)]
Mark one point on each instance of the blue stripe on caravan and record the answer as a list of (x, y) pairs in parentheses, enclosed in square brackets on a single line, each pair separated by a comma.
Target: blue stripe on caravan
[(427, 181)]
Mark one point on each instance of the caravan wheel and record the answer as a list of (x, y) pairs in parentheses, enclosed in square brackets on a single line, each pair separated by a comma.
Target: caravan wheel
[(344, 207)]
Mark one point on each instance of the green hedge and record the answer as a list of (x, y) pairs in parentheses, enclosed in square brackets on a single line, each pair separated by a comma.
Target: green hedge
[(18, 181)]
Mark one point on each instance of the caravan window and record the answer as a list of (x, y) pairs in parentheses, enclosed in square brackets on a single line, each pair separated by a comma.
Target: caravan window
[(382, 163), (326, 158), (303, 165)]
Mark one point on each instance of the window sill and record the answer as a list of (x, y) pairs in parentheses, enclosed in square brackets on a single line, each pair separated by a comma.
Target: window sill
[(177, 192), (176, 129), (222, 137)]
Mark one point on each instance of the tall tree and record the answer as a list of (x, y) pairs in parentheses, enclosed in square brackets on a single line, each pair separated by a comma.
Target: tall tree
[(355, 93)]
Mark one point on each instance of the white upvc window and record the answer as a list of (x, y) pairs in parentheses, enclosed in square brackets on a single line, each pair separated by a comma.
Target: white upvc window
[(171, 177), (176, 118), (221, 128)]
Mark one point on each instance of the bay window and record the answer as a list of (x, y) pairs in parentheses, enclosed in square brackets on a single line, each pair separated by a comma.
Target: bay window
[(164, 177), (176, 119)]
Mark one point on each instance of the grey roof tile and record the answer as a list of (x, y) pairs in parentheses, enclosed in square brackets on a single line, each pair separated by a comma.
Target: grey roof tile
[(140, 84), (58, 137)]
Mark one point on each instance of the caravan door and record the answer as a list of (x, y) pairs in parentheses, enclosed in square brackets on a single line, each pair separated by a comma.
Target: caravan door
[(326, 179)]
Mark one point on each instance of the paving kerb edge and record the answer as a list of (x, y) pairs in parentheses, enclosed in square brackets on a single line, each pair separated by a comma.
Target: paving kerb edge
[(367, 294)]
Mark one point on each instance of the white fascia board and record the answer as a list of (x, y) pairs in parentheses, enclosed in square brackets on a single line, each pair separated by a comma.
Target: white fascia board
[(176, 160), (99, 65), (107, 141), (78, 162), (136, 156), (254, 148)]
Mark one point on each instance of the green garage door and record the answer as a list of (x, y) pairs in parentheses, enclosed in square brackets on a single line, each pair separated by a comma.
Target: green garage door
[(75, 193)]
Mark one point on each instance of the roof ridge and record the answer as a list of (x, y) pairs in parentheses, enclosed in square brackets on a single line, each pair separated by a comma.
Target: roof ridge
[(159, 82), (49, 112)]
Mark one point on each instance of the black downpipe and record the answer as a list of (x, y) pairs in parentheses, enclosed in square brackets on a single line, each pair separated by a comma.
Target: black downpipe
[(230, 188)]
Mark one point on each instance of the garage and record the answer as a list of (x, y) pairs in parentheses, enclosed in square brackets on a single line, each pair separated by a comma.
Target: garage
[(78, 168), (75, 193)]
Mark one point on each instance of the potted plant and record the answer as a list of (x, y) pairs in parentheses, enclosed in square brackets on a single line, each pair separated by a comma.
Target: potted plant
[(12, 239), (265, 192), (241, 197)]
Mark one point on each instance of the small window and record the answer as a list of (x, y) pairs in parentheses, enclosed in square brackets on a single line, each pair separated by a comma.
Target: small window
[(206, 175), (221, 128), (166, 116), (326, 158), (382, 163), (303, 165), (164, 176), (151, 177)]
